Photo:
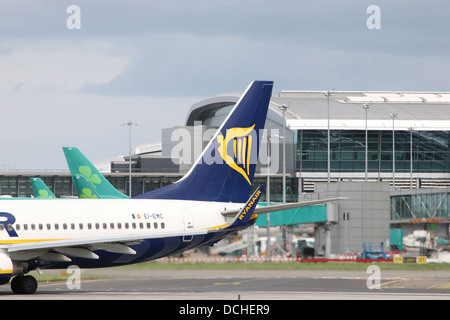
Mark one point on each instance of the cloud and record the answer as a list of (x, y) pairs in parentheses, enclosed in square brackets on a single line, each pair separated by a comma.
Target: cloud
[(185, 64), (60, 65)]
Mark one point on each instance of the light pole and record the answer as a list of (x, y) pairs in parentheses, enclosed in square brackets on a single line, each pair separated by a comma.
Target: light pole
[(411, 129), (366, 107), (393, 116), (269, 140), (283, 108), (328, 95), (129, 124)]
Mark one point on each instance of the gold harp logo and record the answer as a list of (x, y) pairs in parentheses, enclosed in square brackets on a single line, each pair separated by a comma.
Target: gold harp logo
[(242, 147)]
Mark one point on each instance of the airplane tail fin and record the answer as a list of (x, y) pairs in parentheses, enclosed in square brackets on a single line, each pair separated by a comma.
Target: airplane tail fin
[(40, 189), (79, 165), (84, 189), (225, 169)]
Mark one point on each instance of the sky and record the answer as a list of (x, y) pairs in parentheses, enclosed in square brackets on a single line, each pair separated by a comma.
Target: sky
[(70, 77)]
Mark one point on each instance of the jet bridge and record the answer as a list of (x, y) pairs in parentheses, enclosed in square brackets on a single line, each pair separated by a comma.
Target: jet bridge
[(319, 214), (311, 214)]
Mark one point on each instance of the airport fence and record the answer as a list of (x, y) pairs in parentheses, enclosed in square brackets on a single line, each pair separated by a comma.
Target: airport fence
[(352, 257), (227, 259)]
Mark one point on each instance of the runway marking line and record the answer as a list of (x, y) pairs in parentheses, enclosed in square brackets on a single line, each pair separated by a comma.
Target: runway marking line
[(443, 286), (389, 283), (225, 283)]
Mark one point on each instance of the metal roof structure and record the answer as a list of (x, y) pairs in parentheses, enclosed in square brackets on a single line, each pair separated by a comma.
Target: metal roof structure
[(345, 110)]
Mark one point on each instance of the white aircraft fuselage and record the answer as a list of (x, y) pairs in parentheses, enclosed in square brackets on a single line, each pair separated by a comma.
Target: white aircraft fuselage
[(155, 228)]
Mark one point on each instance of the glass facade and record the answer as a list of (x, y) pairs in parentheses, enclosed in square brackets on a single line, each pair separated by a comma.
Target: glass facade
[(276, 188), (20, 186), (430, 151), (62, 186), (420, 206), (142, 185)]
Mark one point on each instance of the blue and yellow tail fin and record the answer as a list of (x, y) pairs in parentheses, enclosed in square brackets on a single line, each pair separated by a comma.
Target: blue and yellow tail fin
[(225, 169)]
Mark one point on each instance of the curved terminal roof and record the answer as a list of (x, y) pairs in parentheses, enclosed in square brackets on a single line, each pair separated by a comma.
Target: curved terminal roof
[(214, 110), (209, 106)]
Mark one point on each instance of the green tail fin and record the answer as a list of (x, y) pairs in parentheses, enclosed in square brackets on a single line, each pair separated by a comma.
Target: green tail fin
[(84, 189), (40, 189), (80, 166)]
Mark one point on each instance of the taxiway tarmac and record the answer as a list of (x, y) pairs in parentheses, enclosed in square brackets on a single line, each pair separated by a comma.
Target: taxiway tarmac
[(132, 284)]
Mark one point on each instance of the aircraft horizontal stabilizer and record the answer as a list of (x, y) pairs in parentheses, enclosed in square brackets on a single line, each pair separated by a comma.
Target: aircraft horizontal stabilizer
[(286, 206), (245, 214)]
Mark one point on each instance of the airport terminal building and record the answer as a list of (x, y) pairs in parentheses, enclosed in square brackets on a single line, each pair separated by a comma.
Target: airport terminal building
[(335, 136), (388, 152)]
